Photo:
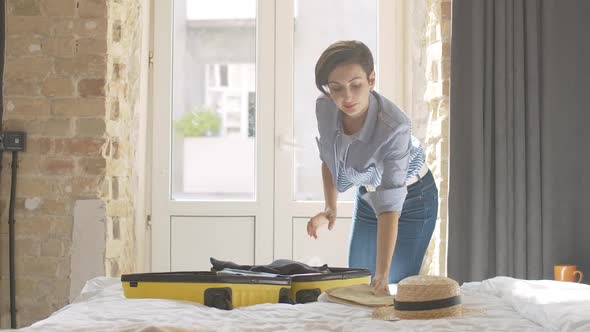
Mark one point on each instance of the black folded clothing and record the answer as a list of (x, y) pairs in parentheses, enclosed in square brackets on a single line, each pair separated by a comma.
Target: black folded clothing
[(279, 266)]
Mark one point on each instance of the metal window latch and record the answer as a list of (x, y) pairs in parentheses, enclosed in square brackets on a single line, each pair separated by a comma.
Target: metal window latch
[(288, 144), (151, 58)]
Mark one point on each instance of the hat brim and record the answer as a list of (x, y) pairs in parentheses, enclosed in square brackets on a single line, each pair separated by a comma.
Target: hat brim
[(389, 313)]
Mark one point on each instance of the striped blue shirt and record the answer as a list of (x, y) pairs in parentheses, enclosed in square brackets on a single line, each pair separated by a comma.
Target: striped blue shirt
[(383, 155), (348, 178)]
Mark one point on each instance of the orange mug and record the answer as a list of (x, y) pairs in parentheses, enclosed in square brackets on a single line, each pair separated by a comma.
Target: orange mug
[(567, 273)]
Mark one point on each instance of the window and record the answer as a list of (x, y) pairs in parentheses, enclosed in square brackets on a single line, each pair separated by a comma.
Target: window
[(213, 86)]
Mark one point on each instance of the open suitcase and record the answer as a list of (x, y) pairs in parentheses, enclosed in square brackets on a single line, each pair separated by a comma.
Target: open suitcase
[(233, 291)]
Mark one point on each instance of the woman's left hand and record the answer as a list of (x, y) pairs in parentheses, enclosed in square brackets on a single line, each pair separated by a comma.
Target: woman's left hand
[(380, 286)]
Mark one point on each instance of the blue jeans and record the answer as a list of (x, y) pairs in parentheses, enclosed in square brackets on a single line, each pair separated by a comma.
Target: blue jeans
[(415, 228)]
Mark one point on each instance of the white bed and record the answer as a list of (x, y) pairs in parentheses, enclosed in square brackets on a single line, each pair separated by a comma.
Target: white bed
[(509, 304)]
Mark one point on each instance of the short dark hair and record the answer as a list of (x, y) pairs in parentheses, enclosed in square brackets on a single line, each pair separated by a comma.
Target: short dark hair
[(340, 53)]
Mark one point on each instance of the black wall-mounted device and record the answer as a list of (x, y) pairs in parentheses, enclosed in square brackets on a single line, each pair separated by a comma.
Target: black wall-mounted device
[(12, 140)]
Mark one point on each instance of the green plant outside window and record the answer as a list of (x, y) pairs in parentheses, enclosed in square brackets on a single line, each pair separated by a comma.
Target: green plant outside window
[(198, 123)]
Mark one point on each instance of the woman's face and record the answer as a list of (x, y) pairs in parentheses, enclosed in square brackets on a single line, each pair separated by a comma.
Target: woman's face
[(349, 88)]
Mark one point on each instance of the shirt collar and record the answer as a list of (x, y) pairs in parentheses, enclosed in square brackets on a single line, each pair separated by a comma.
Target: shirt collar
[(367, 130)]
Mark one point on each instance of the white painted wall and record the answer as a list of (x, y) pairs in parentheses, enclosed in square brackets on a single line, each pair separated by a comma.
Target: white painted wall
[(88, 244)]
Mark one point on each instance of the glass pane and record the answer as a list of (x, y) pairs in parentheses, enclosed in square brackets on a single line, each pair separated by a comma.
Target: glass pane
[(349, 19), (214, 100)]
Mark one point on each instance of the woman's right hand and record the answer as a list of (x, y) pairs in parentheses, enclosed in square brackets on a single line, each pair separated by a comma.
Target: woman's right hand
[(322, 218)]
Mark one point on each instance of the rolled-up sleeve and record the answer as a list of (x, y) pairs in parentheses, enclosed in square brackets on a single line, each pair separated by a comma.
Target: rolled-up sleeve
[(391, 193)]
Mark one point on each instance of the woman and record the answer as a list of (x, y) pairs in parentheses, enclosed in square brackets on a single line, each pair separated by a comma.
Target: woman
[(365, 141)]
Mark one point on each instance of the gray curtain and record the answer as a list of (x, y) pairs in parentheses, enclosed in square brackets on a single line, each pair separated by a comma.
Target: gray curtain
[(519, 183)]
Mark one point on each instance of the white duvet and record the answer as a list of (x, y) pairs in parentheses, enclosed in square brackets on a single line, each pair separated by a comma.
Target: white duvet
[(509, 304), (557, 306)]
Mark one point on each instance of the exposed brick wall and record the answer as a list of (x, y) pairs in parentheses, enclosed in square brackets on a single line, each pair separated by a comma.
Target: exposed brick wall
[(123, 90), (71, 82), (436, 52), (54, 51)]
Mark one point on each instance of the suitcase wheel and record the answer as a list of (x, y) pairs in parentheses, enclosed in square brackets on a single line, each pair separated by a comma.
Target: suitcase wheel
[(307, 295), (285, 296), (219, 298)]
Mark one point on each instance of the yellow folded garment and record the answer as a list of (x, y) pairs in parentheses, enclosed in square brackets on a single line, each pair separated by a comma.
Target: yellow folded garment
[(359, 295)]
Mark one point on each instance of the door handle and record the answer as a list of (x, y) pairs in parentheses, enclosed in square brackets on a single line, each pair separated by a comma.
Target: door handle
[(285, 144)]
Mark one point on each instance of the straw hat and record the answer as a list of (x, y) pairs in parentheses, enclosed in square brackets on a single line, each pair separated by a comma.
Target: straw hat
[(425, 297)]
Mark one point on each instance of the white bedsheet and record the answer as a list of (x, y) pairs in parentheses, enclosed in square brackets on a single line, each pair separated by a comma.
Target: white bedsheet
[(557, 306), (101, 306)]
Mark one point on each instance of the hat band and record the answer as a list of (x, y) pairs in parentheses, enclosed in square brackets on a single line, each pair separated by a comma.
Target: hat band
[(427, 305)]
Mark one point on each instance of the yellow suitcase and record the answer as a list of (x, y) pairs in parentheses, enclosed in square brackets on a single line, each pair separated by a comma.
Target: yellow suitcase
[(223, 292)]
